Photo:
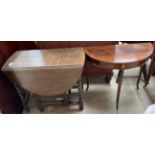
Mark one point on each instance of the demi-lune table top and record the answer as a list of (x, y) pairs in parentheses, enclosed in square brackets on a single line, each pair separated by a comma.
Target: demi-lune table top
[(116, 55)]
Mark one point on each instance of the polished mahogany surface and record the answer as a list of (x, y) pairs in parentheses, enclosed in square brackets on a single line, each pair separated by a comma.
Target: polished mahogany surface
[(128, 55), (46, 72)]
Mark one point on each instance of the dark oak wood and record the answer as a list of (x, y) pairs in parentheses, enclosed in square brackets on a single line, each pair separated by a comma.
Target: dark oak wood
[(120, 57), (46, 72)]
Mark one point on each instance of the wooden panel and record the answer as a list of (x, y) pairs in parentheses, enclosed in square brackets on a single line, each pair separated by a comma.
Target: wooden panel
[(47, 82), (91, 43), (9, 100), (65, 44), (53, 44), (1, 60), (7, 48)]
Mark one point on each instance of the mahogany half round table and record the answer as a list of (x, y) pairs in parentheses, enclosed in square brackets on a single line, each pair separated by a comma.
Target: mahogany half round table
[(120, 57)]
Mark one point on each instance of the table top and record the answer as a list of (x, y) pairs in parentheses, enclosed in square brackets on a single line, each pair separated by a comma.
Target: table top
[(118, 55), (50, 58)]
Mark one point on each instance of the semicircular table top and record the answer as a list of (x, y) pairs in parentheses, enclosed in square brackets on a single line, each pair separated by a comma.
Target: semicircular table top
[(120, 54)]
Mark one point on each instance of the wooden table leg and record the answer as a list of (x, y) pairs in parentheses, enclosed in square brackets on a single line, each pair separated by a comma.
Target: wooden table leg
[(24, 96), (139, 76), (66, 98), (150, 72), (87, 81), (145, 71), (80, 95), (26, 99), (87, 78), (118, 77), (120, 80)]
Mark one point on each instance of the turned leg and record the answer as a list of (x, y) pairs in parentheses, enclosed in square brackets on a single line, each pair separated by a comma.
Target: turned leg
[(120, 80), (139, 76), (150, 72), (26, 99), (24, 96)]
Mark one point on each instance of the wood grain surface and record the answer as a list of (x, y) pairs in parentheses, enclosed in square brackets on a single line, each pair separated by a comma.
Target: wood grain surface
[(128, 55), (46, 72)]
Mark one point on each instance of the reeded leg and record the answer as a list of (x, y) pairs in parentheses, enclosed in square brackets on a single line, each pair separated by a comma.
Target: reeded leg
[(139, 76), (150, 72), (121, 73)]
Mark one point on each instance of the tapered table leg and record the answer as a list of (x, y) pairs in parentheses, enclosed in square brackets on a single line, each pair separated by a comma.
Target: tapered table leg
[(144, 71), (139, 76), (120, 80), (150, 72), (118, 77)]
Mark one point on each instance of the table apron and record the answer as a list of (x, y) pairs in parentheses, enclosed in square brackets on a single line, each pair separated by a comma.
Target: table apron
[(106, 65)]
